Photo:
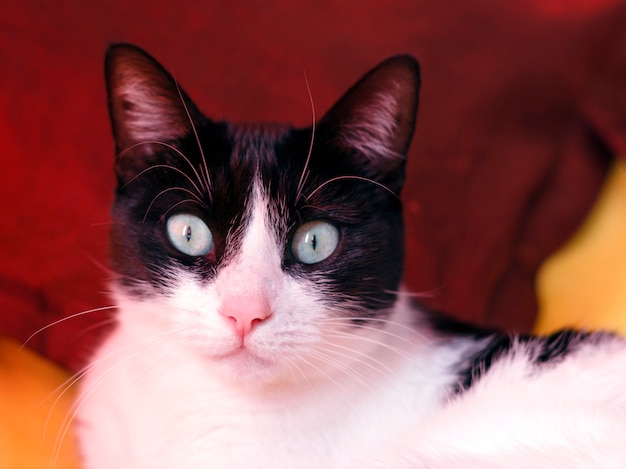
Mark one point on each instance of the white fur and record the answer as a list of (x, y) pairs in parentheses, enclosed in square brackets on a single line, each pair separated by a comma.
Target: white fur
[(173, 388), (572, 415)]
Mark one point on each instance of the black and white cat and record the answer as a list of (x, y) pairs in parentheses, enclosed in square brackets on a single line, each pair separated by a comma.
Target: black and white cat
[(262, 322)]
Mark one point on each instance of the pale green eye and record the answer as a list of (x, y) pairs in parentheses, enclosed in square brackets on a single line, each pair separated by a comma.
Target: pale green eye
[(314, 241), (189, 234)]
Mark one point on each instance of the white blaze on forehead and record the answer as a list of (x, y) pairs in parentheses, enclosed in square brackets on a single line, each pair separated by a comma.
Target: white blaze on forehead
[(255, 269)]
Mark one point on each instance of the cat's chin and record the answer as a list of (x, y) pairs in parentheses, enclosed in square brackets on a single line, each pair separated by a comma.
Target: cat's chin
[(244, 366)]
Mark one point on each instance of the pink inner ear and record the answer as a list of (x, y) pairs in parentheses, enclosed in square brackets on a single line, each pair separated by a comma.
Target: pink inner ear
[(245, 311), (146, 103), (372, 127), (142, 114), (377, 116)]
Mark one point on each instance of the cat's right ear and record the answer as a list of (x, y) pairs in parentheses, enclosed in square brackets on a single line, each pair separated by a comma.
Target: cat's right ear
[(146, 105), (375, 119)]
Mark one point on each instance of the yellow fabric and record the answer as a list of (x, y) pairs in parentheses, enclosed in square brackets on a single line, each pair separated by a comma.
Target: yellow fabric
[(584, 284), (31, 417)]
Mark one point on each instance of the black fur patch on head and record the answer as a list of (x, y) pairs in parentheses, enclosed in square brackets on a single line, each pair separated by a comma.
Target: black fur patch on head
[(366, 268), (165, 184)]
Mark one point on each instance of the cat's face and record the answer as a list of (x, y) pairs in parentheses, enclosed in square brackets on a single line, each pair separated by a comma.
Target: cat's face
[(266, 249)]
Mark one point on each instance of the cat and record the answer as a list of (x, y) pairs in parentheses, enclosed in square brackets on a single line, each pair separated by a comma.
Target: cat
[(262, 321)]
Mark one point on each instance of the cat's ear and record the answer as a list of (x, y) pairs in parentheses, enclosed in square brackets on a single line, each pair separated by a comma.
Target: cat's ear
[(375, 119), (145, 102)]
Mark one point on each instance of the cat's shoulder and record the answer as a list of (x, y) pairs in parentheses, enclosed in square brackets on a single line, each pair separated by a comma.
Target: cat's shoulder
[(525, 353)]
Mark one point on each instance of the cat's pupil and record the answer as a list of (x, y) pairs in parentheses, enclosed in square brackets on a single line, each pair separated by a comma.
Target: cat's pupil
[(187, 233), (313, 241)]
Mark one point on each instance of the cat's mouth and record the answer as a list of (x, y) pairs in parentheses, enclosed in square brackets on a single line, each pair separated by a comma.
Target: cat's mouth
[(244, 364), (243, 355), (237, 352)]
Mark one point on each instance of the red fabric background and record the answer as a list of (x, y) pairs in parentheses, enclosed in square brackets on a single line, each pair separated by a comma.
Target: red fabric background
[(523, 104)]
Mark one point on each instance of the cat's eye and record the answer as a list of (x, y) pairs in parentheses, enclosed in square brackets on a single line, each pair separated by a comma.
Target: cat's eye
[(189, 234), (314, 241)]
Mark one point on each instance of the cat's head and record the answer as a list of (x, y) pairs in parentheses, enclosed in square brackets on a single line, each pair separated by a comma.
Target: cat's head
[(266, 249)]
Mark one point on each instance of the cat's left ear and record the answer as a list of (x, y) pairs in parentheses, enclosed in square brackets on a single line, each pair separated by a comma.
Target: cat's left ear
[(375, 119), (146, 105)]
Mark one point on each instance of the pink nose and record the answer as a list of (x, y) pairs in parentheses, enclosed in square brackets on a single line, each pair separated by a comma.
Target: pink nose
[(245, 312)]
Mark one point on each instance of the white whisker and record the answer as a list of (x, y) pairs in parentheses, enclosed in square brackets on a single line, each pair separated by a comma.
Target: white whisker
[(72, 380), (181, 202), (291, 363), (358, 178), (170, 189), (364, 359), (164, 166), (350, 321), (377, 330), (305, 170), (321, 371), (179, 153), (75, 408), (340, 366), (390, 347), (425, 294), (67, 318), (195, 132), (103, 267)]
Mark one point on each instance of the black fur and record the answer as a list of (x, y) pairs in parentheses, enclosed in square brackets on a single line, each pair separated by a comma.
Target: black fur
[(545, 350)]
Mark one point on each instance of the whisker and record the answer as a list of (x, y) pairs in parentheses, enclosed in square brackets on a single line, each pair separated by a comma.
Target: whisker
[(178, 152), (358, 178), (338, 365), (292, 363), (177, 204), (392, 348), (75, 408), (165, 166), (322, 372), (170, 189), (96, 326), (364, 360), (350, 320), (62, 389), (67, 318), (195, 132), (305, 171), (380, 331), (103, 267), (424, 294), (72, 380)]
